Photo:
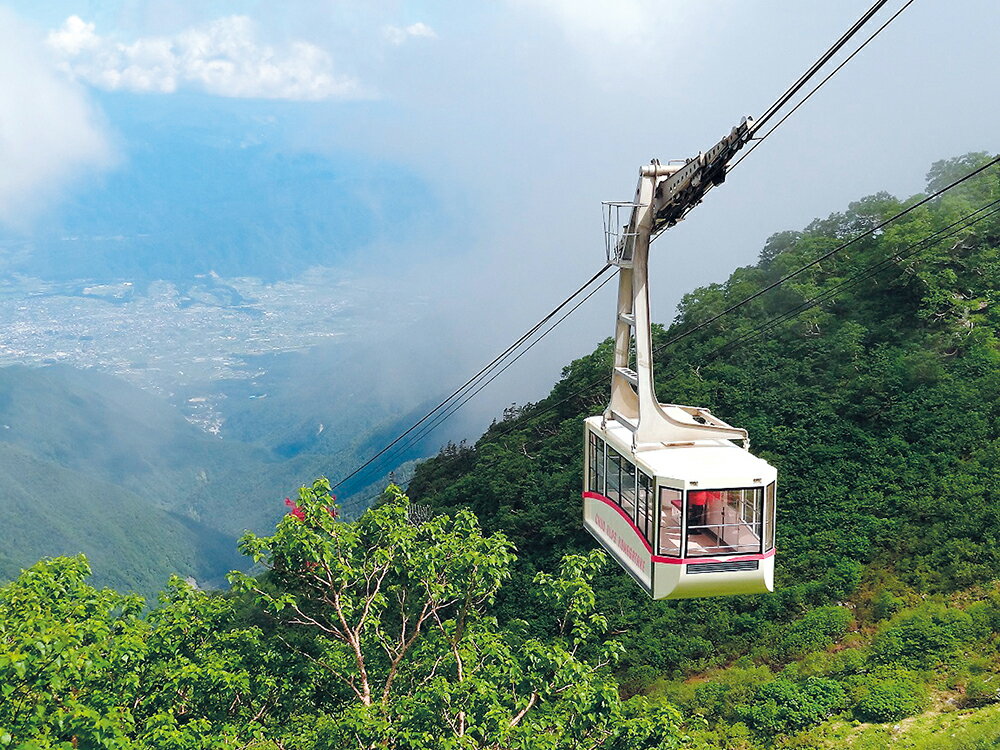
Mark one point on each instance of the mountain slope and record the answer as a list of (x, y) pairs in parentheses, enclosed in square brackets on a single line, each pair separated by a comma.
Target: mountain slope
[(47, 510), (879, 407), (91, 463), (100, 426), (118, 473)]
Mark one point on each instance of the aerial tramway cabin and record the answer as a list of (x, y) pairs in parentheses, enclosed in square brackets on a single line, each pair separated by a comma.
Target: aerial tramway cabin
[(672, 492), (684, 520)]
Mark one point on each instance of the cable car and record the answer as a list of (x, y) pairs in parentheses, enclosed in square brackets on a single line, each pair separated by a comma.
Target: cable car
[(685, 519), (668, 491)]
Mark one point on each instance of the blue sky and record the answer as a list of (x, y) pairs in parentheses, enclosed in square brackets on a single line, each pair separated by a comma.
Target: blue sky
[(495, 128)]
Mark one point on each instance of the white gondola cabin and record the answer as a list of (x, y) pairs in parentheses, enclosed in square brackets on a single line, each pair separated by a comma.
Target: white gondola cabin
[(688, 520), (667, 491)]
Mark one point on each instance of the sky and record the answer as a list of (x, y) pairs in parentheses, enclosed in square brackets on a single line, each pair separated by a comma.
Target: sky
[(500, 126)]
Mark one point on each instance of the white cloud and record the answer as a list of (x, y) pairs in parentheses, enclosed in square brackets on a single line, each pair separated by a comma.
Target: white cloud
[(623, 21), (49, 132), (616, 37), (399, 34), (222, 57)]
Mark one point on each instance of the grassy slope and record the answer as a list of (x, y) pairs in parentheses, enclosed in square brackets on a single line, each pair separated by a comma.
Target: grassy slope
[(968, 729)]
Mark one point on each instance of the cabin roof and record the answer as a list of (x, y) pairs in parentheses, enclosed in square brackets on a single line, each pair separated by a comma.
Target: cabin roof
[(703, 463)]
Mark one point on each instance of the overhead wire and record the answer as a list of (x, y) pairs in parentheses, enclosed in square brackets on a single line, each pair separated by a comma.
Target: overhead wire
[(867, 273), (839, 248), (816, 66), (458, 404), (794, 88), (471, 382), (831, 74), (474, 385)]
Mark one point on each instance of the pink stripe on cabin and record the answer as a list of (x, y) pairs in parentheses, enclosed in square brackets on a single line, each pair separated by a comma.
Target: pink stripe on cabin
[(671, 560), (623, 514)]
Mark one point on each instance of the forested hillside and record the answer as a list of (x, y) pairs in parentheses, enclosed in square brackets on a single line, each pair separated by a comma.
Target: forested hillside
[(879, 408), (490, 621)]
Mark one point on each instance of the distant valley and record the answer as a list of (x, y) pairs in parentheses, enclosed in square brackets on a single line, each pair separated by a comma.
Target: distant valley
[(175, 338), (181, 345), (91, 463)]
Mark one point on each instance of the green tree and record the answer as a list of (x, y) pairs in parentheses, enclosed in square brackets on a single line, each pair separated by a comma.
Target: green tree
[(62, 647), (399, 614)]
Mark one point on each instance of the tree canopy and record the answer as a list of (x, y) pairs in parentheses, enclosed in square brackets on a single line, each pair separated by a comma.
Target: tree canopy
[(376, 633)]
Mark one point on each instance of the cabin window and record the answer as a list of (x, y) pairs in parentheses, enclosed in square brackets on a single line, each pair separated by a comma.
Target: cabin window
[(769, 518), (614, 478), (723, 522), (596, 459), (670, 521), (627, 488), (644, 506)]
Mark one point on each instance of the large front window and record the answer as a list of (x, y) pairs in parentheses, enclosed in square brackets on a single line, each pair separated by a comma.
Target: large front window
[(722, 522)]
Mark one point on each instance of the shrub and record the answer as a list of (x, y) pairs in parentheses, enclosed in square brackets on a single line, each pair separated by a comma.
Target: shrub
[(923, 638), (885, 604), (783, 706), (815, 631), (881, 699), (729, 689), (638, 679)]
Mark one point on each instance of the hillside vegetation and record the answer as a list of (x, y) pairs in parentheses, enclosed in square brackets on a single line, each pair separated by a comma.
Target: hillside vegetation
[(492, 622), (879, 407)]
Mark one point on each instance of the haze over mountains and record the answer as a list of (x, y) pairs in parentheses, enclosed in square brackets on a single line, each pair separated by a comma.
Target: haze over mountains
[(92, 464), (209, 190), (210, 349), (220, 355)]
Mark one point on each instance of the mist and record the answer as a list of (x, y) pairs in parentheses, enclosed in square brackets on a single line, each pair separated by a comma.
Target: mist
[(514, 121), (527, 122), (50, 134)]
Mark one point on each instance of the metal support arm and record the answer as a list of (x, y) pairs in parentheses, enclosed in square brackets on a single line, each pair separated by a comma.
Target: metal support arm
[(664, 194)]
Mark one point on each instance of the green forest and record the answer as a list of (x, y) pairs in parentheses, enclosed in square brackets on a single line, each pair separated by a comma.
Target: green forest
[(474, 612)]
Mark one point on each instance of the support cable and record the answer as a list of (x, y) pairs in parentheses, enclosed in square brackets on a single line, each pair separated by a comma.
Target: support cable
[(455, 406), (471, 382), (684, 334), (815, 67), (779, 103), (817, 87)]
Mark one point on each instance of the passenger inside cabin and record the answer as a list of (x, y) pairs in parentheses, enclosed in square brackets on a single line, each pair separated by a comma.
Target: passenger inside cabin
[(705, 523), (698, 504)]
